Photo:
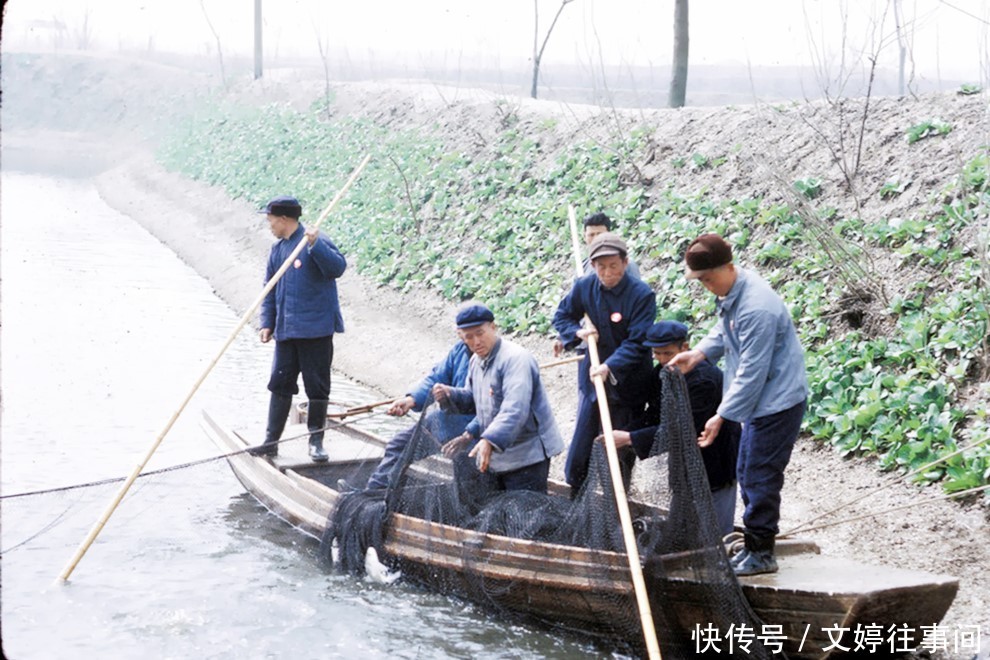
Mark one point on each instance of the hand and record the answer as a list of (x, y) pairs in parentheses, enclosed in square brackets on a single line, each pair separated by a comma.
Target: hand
[(601, 371), (587, 331), (312, 233), (453, 447), (686, 361), (482, 454), (708, 434), (265, 335), (441, 393), (621, 438), (558, 348), (401, 406)]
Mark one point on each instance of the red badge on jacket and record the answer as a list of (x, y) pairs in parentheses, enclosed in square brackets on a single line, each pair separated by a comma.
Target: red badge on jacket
[(616, 317), (297, 263)]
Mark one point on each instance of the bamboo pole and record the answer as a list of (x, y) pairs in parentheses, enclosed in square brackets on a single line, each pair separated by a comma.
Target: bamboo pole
[(632, 551), (98, 527), (562, 361)]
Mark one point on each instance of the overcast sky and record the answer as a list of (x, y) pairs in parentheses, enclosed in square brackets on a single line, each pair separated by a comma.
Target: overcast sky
[(949, 36)]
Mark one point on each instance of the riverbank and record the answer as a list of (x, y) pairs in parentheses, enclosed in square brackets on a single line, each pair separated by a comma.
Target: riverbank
[(392, 339)]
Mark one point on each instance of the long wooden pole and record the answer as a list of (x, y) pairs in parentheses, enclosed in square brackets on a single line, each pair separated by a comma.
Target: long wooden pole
[(632, 550), (98, 527)]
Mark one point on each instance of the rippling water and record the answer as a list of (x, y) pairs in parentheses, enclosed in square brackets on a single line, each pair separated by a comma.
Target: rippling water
[(104, 333)]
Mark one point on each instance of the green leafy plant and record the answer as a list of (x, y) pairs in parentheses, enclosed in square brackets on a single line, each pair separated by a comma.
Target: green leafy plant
[(967, 89), (810, 187), (926, 129)]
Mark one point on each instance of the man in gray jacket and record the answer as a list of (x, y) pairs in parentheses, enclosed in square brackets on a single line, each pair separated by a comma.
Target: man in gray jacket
[(514, 432), (765, 388)]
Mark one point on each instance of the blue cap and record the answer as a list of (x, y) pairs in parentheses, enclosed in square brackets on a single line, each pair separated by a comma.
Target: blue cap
[(664, 333), (473, 315), (283, 205)]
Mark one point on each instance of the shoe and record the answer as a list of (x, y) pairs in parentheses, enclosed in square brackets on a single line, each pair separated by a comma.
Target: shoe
[(756, 562), (737, 558), (316, 419), (266, 449)]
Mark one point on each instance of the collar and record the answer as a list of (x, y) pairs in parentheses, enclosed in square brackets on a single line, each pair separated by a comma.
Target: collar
[(730, 299), (485, 363), (619, 288)]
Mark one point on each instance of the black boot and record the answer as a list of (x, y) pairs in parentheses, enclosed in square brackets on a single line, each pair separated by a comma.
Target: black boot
[(316, 419), (758, 558), (278, 412)]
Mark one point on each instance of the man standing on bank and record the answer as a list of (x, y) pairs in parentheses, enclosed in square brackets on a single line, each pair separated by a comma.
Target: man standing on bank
[(765, 388), (514, 432), (302, 313), (620, 309)]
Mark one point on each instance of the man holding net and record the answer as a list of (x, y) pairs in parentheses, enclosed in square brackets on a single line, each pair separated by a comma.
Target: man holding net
[(704, 383), (765, 389), (514, 432)]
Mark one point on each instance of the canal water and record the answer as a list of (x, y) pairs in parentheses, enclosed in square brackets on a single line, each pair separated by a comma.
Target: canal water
[(104, 332)]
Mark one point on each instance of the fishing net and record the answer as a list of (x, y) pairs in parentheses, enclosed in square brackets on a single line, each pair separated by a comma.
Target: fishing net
[(553, 558)]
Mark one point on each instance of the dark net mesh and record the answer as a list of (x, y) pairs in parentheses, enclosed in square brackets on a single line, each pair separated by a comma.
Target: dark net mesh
[(548, 556)]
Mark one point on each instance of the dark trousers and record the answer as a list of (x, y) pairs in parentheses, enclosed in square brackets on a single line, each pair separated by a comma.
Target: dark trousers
[(764, 452), (589, 426), (312, 358), (532, 477)]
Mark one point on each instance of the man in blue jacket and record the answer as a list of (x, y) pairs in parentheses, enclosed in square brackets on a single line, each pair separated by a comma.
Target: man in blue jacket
[(453, 371), (513, 431), (765, 389), (302, 313), (704, 384), (620, 309)]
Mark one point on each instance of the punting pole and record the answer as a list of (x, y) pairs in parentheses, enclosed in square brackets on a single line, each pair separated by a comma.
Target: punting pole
[(98, 527), (632, 550)]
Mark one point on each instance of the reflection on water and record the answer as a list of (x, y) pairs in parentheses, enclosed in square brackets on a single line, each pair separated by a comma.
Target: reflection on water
[(104, 332)]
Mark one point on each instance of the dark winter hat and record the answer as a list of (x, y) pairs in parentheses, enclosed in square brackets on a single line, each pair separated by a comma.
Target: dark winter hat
[(706, 252), (606, 244), (473, 315), (663, 333), (283, 205)]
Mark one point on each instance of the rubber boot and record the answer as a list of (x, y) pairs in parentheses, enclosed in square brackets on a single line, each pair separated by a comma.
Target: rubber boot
[(278, 412), (316, 419), (760, 557)]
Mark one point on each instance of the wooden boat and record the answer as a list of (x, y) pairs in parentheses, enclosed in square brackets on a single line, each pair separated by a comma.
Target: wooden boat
[(809, 595)]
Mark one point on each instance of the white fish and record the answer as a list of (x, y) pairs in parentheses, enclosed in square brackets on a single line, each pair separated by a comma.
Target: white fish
[(377, 571)]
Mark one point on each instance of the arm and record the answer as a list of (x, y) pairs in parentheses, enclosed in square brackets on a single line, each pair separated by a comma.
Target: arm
[(713, 345), (757, 334), (267, 316), (443, 372), (567, 318), (517, 393), (327, 257)]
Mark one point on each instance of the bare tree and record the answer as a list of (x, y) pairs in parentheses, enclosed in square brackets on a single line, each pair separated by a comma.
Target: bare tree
[(84, 35), (257, 40), (678, 81), (538, 52), (325, 58), (223, 75)]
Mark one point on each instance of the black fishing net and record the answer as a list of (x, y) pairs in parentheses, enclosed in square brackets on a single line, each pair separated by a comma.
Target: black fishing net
[(553, 558)]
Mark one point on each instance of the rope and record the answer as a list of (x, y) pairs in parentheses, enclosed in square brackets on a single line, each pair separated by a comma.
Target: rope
[(961, 493), (801, 526), (180, 466)]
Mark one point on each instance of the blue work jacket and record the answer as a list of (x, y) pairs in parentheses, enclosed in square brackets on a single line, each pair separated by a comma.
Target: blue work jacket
[(304, 302), (452, 370), (764, 361), (622, 316)]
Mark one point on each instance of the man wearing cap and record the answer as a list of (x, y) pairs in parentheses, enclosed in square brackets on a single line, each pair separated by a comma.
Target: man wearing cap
[(765, 389), (513, 431), (620, 310), (595, 225), (704, 383), (302, 313)]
